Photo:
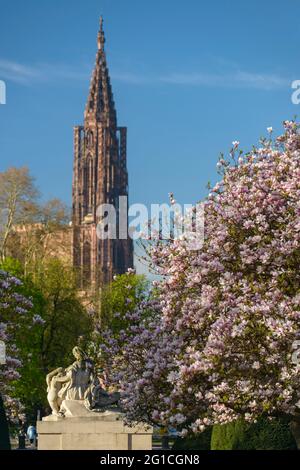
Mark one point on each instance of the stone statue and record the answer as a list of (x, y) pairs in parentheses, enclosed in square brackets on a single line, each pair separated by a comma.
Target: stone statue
[(53, 388), (77, 383), (98, 397)]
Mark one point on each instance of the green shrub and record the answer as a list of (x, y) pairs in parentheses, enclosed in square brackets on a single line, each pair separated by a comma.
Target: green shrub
[(197, 442), (265, 434)]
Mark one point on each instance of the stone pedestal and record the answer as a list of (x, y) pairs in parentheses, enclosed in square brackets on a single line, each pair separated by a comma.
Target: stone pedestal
[(82, 429)]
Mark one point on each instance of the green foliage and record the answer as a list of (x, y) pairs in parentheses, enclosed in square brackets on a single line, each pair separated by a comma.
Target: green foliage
[(122, 296), (265, 434), (65, 317), (26, 334), (229, 436), (4, 434), (59, 322), (195, 442), (12, 266), (116, 300)]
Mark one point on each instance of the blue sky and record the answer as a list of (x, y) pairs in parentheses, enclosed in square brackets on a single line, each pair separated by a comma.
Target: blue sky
[(188, 78)]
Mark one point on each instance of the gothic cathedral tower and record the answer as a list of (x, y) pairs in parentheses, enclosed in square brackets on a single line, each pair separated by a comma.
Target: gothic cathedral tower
[(99, 177)]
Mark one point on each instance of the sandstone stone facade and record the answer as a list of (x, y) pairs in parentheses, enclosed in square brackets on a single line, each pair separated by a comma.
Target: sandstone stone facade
[(99, 177)]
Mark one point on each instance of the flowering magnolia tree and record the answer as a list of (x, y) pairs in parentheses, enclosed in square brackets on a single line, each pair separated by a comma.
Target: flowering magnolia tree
[(13, 312), (139, 360), (219, 343)]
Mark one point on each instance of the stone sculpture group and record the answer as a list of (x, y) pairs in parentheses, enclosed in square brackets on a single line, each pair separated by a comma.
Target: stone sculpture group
[(79, 383)]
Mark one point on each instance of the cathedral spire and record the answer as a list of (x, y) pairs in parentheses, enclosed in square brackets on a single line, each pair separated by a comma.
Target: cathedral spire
[(101, 37), (100, 104), (99, 177)]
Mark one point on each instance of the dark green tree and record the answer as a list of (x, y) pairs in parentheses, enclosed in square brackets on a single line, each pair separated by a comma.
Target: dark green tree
[(116, 300), (120, 297), (4, 433), (60, 322)]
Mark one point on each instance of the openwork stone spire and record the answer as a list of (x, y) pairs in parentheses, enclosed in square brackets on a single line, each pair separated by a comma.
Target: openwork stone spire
[(99, 177), (101, 36), (100, 104)]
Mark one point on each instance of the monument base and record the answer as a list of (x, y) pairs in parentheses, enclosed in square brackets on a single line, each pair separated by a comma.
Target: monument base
[(82, 429)]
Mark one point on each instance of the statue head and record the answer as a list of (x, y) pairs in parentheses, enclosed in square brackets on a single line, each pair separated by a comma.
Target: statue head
[(79, 354)]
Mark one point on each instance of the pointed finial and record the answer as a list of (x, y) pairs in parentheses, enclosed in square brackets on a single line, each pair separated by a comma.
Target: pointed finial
[(101, 38)]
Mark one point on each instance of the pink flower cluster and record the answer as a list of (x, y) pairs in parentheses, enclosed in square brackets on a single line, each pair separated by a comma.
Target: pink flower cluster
[(217, 342), (13, 309)]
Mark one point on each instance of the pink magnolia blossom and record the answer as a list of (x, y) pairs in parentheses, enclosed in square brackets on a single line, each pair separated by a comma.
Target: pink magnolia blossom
[(216, 343), (13, 310)]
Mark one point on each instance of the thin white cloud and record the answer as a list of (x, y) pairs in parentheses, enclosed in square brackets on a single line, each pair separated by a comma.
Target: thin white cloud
[(263, 81), (235, 78), (42, 72), (17, 72)]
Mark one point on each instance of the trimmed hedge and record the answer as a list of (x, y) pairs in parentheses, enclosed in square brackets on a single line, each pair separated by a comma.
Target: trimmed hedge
[(197, 442), (265, 434)]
